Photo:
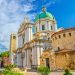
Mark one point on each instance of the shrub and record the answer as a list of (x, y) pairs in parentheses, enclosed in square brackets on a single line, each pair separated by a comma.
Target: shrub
[(11, 73), (67, 72), (9, 70), (9, 67), (43, 70)]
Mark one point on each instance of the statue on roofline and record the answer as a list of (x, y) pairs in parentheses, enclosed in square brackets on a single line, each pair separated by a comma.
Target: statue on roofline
[(26, 19)]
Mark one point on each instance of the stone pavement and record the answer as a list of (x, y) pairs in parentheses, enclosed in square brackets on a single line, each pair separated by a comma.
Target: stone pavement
[(52, 73), (1, 69)]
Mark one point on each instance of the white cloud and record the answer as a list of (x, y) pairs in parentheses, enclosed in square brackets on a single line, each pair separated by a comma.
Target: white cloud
[(51, 2), (11, 16), (12, 13)]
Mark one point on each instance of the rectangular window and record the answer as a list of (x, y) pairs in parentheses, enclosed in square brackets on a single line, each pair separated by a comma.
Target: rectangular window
[(51, 28), (23, 38), (43, 27), (36, 29)]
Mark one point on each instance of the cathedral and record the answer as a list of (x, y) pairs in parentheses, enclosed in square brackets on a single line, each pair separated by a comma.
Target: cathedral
[(42, 43)]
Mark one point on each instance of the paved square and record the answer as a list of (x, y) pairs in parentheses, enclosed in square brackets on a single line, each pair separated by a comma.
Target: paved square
[(52, 73)]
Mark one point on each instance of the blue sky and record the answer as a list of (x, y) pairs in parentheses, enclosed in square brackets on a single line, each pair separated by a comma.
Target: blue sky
[(12, 13)]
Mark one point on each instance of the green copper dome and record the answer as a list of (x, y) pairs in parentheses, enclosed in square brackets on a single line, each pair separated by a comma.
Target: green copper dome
[(44, 14)]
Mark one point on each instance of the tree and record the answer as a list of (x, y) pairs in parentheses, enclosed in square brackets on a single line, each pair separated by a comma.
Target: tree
[(4, 54)]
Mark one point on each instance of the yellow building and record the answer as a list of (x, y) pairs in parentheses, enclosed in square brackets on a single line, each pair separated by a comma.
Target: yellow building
[(63, 49), (13, 47)]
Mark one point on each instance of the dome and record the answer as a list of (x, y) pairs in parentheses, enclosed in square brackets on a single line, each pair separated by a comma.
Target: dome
[(44, 14)]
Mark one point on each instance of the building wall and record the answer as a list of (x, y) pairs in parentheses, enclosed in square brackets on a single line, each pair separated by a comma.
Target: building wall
[(49, 25), (48, 54), (64, 56), (63, 43), (65, 59), (24, 36), (45, 55), (64, 39), (60, 61)]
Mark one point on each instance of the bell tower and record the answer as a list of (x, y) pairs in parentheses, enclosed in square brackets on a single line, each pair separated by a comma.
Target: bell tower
[(13, 47)]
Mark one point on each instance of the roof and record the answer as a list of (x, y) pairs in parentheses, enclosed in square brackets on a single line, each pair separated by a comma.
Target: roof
[(44, 15)]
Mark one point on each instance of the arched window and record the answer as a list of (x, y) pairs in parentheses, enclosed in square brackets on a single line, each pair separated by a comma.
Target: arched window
[(56, 38), (59, 36), (43, 27), (64, 35), (42, 59), (51, 28), (48, 38), (14, 37), (58, 48), (23, 39), (36, 29), (69, 34)]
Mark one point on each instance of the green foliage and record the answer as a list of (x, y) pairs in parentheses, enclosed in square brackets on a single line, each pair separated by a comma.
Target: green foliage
[(9, 67), (6, 72), (4, 54), (43, 70), (0, 59), (67, 72)]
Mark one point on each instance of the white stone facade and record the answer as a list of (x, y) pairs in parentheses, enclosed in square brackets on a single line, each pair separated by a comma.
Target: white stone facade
[(31, 46)]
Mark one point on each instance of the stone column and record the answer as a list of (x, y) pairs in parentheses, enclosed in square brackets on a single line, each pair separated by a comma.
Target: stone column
[(50, 25), (25, 35), (38, 28), (24, 62), (38, 56), (19, 61), (34, 56), (28, 58), (46, 25)]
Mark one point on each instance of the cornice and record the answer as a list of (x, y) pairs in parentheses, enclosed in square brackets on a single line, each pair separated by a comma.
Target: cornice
[(64, 51), (27, 25), (45, 20), (63, 31)]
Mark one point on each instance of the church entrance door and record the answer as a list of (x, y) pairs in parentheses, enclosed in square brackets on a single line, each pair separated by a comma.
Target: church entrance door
[(47, 62)]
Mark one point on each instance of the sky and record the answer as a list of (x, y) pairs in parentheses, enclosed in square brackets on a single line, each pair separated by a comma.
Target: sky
[(12, 13)]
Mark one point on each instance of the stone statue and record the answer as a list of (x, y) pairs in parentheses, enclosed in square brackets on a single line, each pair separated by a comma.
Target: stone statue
[(26, 19)]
